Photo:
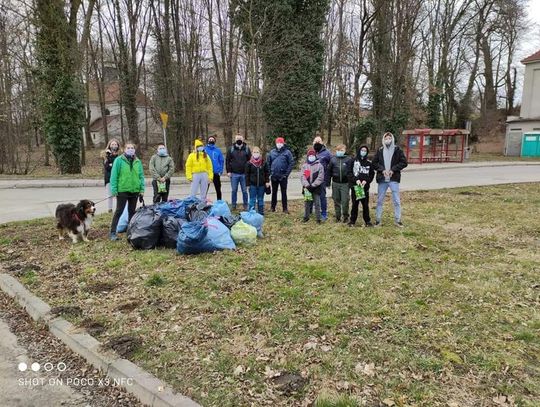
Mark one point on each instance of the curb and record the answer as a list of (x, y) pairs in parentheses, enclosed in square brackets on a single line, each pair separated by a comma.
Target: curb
[(143, 385)]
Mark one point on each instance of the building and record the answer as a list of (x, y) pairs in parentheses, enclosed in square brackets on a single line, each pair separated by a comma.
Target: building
[(149, 126), (523, 132), (435, 145)]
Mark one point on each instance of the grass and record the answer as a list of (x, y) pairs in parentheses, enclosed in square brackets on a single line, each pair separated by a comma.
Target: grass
[(444, 311)]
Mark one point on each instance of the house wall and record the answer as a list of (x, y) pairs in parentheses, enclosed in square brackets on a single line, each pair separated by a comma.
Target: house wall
[(530, 105), (514, 135)]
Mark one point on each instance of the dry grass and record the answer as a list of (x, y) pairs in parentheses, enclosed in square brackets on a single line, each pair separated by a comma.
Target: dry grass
[(443, 312)]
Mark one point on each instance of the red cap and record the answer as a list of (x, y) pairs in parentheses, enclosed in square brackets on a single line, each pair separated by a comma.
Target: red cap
[(280, 140), (311, 151)]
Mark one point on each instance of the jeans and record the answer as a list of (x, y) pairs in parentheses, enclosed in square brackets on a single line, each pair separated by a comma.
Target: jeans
[(200, 182), (164, 196), (365, 207), (324, 202), (340, 195), (121, 199), (282, 183), (235, 180), (381, 192), (308, 207), (256, 194), (217, 185)]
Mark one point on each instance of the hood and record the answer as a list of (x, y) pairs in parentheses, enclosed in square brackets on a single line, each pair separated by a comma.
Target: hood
[(198, 143), (358, 157), (210, 146), (393, 140)]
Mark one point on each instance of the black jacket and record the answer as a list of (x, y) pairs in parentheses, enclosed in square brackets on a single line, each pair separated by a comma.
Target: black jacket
[(399, 162), (337, 170), (361, 169), (257, 176), (237, 158), (107, 166)]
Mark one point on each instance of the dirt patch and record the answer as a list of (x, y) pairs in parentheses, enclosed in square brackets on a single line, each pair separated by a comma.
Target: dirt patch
[(101, 287), (70, 310), (128, 306), (124, 345), (93, 328), (289, 383)]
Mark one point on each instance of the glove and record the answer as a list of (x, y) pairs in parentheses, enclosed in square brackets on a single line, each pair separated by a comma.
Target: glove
[(310, 188)]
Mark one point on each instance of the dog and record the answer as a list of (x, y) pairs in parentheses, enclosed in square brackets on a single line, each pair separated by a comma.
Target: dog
[(75, 220)]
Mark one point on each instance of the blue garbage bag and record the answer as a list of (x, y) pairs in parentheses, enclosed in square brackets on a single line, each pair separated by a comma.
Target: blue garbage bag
[(207, 236), (122, 225), (255, 219), (178, 207), (220, 208)]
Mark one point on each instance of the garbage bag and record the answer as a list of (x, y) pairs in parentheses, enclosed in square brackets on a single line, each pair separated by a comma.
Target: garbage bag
[(220, 208), (169, 232), (208, 236), (255, 219), (144, 229), (122, 225), (198, 212), (178, 207), (244, 234), (229, 220)]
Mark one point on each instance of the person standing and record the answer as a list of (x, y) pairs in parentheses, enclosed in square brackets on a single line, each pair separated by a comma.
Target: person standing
[(199, 170), (361, 174), (324, 156), (162, 169), (337, 175), (388, 162), (127, 184), (235, 162), (110, 154), (216, 156), (257, 179), (312, 179), (281, 163)]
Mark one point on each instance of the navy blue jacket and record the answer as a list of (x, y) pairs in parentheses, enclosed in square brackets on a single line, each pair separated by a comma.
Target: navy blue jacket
[(280, 162)]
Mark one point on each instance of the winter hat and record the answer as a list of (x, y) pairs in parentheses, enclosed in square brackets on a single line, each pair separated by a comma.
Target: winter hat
[(311, 151), (280, 140)]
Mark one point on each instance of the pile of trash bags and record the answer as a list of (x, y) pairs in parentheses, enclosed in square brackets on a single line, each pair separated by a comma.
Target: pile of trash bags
[(191, 226)]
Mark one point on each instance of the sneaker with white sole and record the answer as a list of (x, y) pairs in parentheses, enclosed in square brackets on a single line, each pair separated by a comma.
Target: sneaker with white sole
[(399, 224), (378, 224)]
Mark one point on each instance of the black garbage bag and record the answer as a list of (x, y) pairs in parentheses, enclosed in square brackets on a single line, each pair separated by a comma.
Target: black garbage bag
[(169, 232), (144, 229), (229, 220), (198, 212)]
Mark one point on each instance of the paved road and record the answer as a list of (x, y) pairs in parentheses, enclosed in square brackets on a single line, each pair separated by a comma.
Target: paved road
[(30, 203)]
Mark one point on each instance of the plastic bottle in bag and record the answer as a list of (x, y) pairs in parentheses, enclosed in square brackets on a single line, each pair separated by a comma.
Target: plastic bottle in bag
[(359, 192), (308, 196)]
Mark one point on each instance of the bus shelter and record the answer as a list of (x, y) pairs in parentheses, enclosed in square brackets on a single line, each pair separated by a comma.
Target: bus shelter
[(435, 145)]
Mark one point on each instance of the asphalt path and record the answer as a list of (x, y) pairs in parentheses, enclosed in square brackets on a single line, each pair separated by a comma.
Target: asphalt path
[(30, 203)]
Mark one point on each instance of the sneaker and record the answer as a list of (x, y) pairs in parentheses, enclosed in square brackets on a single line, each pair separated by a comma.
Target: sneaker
[(233, 207), (113, 237), (338, 219), (350, 224), (399, 224), (286, 211), (369, 225), (319, 221), (378, 223), (345, 219), (272, 209), (305, 220)]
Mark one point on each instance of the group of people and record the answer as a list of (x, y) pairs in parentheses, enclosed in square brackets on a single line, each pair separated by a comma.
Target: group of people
[(257, 176)]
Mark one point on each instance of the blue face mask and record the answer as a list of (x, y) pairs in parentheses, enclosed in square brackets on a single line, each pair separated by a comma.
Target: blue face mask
[(311, 158), (130, 151), (340, 153), (363, 153), (162, 152), (200, 149)]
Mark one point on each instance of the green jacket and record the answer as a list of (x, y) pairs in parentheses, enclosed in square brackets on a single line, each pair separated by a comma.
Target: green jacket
[(161, 167), (127, 176)]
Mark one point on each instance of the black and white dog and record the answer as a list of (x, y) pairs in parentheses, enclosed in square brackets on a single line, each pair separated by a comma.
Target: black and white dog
[(75, 220)]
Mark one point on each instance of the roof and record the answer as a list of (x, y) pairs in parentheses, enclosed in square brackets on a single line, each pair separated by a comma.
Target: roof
[(112, 94), (532, 58), (97, 124), (522, 119), (436, 132)]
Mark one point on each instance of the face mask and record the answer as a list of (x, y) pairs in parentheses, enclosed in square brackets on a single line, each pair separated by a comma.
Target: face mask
[(211, 143), (363, 153), (130, 151), (162, 152), (340, 153), (311, 158), (256, 156), (279, 145), (239, 142), (317, 147), (200, 149), (114, 148), (387, 142)]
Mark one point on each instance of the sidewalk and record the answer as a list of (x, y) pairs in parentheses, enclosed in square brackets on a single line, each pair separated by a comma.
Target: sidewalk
[(78, 183)]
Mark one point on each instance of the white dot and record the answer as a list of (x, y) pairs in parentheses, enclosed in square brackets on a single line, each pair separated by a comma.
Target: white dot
[(35, 366), (48, 366), (22, 366), (61, 366)]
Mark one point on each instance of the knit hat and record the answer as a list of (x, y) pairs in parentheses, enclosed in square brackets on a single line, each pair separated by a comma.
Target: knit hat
[(280, 140), (311, 151)]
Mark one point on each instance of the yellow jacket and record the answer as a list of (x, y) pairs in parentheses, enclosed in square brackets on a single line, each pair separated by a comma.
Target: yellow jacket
[(199, 162)]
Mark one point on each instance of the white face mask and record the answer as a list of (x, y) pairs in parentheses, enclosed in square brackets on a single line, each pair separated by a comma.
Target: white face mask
[(387, 142), (256, 156), (311, 158), (279, 145)]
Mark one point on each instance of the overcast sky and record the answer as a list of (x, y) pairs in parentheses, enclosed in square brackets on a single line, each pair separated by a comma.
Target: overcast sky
[(531, 40)]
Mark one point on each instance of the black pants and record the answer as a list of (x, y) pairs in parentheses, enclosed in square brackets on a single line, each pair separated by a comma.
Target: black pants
[(121, 199), (283, 186), (217, 185), (163, 196), (365, 207)]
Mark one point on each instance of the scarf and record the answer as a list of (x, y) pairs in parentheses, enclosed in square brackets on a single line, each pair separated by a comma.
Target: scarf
[(256, 162)]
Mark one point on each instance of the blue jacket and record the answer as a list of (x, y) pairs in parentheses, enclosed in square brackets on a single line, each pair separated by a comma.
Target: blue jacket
[(216, 156), (280, 162), (324, 156)]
